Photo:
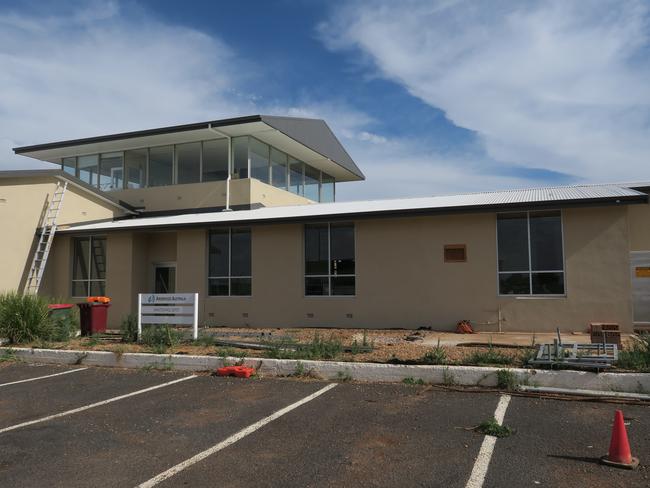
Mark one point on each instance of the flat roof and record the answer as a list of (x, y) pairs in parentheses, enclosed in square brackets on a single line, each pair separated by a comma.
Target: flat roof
[(549, 197), (310, 140)]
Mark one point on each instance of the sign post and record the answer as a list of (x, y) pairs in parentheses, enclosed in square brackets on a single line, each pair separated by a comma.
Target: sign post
[(168, 309)]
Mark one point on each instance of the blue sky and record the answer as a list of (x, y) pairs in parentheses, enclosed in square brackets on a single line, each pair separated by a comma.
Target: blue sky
[(428, 97)]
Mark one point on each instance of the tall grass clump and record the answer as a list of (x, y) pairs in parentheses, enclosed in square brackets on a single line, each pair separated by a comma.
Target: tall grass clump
[(160, 338), (637, 356), (129, 328), (24, 318)]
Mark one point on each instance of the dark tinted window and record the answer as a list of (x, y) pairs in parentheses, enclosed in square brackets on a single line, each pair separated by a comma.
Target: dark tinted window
[(545, 241), (329, 259), (316, 249), (215, 160), (513, 242), (342, 249), (229, 262)]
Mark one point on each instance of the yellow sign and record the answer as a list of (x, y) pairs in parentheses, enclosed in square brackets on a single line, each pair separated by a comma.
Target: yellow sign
[(642, 271)]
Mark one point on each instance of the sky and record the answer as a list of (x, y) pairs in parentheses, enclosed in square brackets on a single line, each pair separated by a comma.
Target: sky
[(428, 97)]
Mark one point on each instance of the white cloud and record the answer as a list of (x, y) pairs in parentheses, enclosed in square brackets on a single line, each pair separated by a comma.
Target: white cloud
[(560, 85)]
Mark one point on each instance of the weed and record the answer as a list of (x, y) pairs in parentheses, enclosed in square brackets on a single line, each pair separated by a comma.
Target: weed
[(491, 356), (637, 357), (129, 328), (7, 355), (318, 348), (412, 381), (437, 355), (92, 341), (448, 377), (343, 376), (506, 379), (205, 340), (119, 350), (160, 338), (493, 428)]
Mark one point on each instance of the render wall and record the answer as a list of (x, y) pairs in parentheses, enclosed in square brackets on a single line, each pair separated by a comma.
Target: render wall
[(22, 204), (639, 223)]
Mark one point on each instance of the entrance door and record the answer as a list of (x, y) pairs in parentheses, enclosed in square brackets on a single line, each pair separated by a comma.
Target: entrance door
[(164, 278), (640, 261)]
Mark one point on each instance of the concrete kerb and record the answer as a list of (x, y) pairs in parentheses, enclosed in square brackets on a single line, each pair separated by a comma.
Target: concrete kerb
[(333, 370)]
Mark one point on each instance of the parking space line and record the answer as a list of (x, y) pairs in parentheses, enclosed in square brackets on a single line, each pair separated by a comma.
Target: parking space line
[(93, 405), (482, 462), (42, 377), (232, 439)]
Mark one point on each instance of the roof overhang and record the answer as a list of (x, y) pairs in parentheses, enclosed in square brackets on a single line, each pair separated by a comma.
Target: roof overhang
[(309, 140)]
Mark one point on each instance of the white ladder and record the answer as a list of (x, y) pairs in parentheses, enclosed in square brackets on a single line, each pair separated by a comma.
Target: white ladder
[(48, 229)]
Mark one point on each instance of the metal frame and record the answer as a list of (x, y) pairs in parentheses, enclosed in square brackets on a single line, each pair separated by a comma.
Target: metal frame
[(229, 277), (329, 255), (89, 280), (530, 272)]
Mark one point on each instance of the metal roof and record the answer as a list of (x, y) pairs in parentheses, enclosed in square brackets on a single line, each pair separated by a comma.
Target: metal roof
[(551, 197), (314, 135)]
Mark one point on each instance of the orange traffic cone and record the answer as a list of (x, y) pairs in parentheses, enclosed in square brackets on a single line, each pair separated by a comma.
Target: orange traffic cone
[(619, 454)]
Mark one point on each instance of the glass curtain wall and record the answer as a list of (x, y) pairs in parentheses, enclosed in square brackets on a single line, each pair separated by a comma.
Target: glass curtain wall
[(327, 189), (111, 171), (161, 165), (312, 183), (215, 160), (87, 169), (278, 169), (69, 165), (188, 163), (296, 176), (259, 156), (135, 164), (240, 157)]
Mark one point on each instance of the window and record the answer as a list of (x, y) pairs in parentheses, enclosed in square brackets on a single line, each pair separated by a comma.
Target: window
[(296, 177), (161, 165), (455, 253), (312, 180), (259, 154), (111, 171), (327, 189), (240, 157), (69, 165), (278, 169), (215, 160), (89, 266), (87, 169), (229, 262), (329, 259), (530, 253), (188, 163), (135, 166)]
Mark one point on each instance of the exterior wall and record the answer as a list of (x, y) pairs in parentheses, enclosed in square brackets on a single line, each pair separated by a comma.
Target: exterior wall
[(639, 224), (402, 279), (23, 202), (211, 194)]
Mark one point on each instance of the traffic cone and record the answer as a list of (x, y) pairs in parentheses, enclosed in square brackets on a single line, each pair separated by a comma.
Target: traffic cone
[(619, 454)]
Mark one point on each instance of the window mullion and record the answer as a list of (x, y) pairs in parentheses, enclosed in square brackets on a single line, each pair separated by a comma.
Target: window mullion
[(530, 263)]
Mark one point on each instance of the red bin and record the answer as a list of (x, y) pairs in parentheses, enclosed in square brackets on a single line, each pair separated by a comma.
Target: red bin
[(93, 317)]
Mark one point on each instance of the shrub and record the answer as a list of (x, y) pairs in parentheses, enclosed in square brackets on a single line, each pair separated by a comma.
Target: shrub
[(636, 357), (64, 328), (24, 318), (129, 328), (160, 338)]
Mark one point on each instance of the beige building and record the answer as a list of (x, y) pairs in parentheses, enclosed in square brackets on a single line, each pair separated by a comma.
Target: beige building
[(243, 212)]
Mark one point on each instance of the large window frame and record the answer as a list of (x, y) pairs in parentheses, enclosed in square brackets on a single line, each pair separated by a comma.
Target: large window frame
[(329, 275), (89, 279), (530, 272), (230, 276)]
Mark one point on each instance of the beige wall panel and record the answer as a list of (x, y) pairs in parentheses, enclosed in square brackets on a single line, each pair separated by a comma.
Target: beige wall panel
[(119, 269), (639, 224), (269, 196)]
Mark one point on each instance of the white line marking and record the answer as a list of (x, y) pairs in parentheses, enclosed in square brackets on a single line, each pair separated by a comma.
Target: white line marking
[(43, 377), (482, 462), (93, 405), (231, 440)]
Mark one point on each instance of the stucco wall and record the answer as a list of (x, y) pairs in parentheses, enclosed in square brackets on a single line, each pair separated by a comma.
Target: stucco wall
[(402, 279), (639, 223), (22, 204)]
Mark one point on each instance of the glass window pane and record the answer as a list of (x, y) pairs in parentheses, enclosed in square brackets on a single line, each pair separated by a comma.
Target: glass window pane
[(546, 241), (514, 284), (278, 169), (312, 182), (218, 287), (188, 162), (215, 160), (240, 254), (98, 258), (316, 285), (327, 189), (342, 249), (240, 287), (80, 289), (512, 237), (240, 157), (548, 283), (218, 253), (161, 165), (111, 171), (135, 163), (296, 177), (97, 288), (70, 165), (87, 169), (259, 154), (80, 262), (316, 252), (343, 285)]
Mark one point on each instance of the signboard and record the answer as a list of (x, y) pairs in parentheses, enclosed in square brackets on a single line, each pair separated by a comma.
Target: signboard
[(169, 309), (642, 271)]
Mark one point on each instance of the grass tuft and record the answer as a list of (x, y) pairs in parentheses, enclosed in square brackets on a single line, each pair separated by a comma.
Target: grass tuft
[(492, 427), (506, 379), (637, 357), (413, 382), (437, 355)]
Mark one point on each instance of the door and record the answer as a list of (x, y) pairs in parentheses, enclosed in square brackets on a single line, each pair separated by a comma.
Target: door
[(164, 278), (640, 261)]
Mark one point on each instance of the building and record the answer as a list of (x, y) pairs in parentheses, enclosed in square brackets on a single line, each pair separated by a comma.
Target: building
[(243, 212)]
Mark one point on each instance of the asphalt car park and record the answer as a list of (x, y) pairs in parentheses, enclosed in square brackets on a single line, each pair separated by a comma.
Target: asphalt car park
[(73, 426)]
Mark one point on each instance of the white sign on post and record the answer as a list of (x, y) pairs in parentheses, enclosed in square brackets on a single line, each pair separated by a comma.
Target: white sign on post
[(168, 308)]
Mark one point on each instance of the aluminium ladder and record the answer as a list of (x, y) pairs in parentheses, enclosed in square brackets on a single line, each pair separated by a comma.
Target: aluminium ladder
[(48, 229)]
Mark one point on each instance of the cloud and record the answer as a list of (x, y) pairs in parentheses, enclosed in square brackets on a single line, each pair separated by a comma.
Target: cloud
[(558, 85)]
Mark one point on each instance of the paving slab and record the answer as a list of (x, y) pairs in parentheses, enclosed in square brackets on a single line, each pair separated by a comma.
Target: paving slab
[(132, 440), (356, 435), (558, 443)]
